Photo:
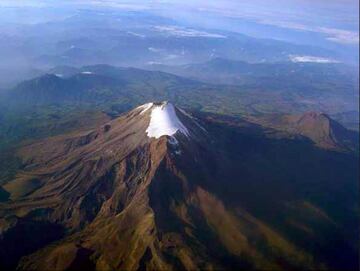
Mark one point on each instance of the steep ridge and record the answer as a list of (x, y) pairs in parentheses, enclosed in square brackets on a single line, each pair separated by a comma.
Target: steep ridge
[(97, 150), (318, 127), (150, 190), (325, 131), (94, 176)]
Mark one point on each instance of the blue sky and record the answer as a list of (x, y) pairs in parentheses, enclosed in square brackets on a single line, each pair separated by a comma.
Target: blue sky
[(336, 20)]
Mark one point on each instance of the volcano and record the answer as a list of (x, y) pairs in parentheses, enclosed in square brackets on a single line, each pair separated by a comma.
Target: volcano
[(162, 189)]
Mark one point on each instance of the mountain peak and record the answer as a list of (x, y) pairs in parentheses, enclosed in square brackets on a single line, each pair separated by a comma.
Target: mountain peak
[(164, 119), (157, 201), (313, 115), (319, 128)]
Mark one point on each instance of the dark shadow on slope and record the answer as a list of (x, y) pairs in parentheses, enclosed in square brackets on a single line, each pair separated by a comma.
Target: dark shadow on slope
[(265, 172), (24, 238)]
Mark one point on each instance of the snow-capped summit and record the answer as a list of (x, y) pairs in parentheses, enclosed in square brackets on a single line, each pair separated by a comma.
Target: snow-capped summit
[(152, 121), (164, 120)]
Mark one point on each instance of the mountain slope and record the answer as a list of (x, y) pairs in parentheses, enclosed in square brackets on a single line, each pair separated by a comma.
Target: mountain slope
[(159, 189), (318, 127)]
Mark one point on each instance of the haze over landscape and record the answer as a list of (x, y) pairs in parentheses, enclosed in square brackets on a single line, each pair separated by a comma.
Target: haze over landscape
[(179, 135)]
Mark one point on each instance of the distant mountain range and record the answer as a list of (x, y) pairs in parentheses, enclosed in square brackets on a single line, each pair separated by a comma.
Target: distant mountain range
[(304, 77), (161, 188), (136, 39), (95, 84), (57, 100), (231, 87)]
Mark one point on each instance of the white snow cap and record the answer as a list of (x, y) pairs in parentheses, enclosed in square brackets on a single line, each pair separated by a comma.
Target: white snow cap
[(145, 107), (164, 121)]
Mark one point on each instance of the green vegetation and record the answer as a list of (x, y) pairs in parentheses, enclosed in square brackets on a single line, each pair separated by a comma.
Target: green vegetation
[(50, 105)]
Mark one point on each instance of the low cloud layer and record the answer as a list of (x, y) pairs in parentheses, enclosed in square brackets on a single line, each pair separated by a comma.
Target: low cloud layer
[(336, 20)]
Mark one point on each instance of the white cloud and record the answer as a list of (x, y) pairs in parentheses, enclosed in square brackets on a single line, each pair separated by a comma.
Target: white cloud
[(340, 36), (311, 59), (155, 50), (136, 34), (186, 32), (332, 34), (127, 5), (300, 15)]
